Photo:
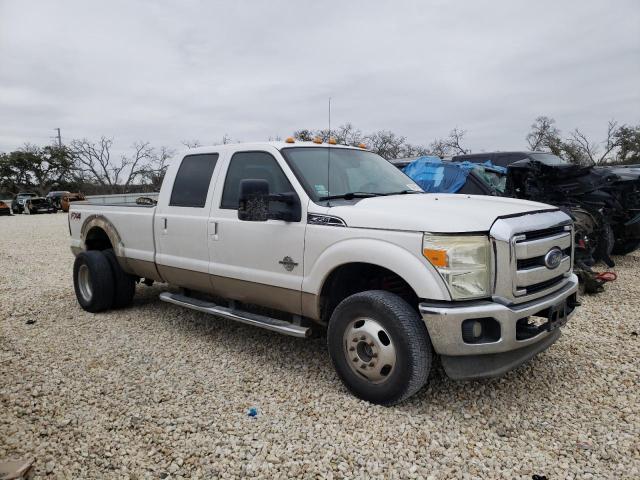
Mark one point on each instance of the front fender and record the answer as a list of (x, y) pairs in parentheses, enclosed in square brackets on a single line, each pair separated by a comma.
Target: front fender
[(418, 273)]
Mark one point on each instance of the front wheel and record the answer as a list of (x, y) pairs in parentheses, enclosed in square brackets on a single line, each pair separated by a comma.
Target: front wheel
[(379, 347)]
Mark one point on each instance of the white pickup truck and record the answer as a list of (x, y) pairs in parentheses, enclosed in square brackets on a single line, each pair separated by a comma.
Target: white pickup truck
[(298, 236)]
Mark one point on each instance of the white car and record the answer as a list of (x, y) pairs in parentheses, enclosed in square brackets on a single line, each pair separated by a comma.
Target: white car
[(321, 235)]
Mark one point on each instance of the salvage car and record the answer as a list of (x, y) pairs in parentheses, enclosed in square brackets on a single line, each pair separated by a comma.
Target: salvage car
[(67, 199), (34, 205), (296, 237), (18, 201), (4, 208), (55, 198)]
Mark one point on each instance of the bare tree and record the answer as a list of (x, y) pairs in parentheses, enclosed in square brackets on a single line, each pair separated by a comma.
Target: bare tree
[(450, 145), (543, 134), (304, 135), (590, 151), (386, 144), (191, 143), (347, 134), (94, 162), (155, 169)]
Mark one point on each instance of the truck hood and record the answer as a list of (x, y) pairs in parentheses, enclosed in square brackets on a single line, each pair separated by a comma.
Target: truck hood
[(437, 212)]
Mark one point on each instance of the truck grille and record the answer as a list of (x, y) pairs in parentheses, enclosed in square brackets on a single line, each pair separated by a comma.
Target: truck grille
[(521, 249), (532, 275)]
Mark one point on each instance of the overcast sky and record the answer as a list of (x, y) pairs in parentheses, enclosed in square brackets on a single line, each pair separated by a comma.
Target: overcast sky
[(171, 71)]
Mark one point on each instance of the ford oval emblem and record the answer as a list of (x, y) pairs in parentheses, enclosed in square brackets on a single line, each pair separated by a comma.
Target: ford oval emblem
[(553, 258)]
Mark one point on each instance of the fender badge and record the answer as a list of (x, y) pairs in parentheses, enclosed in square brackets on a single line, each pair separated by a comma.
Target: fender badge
[(288, 263)]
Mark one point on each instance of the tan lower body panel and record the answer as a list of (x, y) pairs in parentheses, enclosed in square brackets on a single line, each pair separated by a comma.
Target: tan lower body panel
[(310, 307), (141, 268), (278, 298)]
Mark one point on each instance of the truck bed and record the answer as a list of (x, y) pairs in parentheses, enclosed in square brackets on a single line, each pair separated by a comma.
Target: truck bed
[(134, 224)]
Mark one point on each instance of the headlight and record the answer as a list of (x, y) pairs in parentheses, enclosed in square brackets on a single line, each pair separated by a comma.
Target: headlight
[(462, 261)]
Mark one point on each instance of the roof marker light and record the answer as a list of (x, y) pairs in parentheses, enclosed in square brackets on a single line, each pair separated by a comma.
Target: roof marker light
[(332, 141), (317, 140), (362, 145), (290, 140)]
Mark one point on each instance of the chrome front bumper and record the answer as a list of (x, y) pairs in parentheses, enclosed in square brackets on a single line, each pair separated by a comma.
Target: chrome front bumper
[(444, 323)]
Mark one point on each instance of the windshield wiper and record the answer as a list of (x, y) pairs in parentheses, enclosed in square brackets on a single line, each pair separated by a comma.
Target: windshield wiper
[(351, 195), (401, 192)]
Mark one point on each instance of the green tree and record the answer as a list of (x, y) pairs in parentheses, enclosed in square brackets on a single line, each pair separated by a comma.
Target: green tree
[(35, 168), (628, 139)]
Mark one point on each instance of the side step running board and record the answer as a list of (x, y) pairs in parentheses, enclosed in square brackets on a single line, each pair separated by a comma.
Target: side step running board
[(256, 320)]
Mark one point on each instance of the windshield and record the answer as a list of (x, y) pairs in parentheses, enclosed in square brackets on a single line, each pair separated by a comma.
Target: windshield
[(548, 159), (351, 171)]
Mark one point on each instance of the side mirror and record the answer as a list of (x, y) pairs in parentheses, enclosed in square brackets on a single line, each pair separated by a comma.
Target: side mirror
[(253, 202)]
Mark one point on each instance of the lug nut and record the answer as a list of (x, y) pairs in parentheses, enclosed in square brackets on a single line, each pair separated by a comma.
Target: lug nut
[(363, 338), (374, 355), (371, 364), (363, 366), (355, 359), (370, 343), (351, 349), (354, 339)]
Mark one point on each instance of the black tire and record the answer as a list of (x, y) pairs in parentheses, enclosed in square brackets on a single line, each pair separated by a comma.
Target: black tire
[(124, 284), (101, 281), (406, 332), (624, 248)]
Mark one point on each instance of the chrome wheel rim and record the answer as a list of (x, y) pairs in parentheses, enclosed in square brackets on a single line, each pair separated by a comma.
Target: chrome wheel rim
[(369, 350), (84, 283)]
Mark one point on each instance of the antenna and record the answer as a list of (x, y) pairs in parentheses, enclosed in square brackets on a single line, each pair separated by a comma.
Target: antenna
[(329, 157)]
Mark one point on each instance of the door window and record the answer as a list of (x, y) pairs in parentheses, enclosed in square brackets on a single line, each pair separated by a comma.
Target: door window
[(192, 181), (254, 166)]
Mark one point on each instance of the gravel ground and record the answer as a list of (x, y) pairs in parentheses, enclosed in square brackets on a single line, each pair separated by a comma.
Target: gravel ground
[(155, 391)]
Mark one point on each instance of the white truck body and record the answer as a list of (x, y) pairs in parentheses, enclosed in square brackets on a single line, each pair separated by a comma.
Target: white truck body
[(285, 265)]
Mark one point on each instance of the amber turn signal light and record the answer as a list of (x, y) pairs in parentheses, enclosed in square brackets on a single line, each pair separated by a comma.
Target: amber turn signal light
[(438, 258)]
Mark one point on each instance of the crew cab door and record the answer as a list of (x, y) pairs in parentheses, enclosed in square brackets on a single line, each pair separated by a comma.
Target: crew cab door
[(182, 221), (257, 262)]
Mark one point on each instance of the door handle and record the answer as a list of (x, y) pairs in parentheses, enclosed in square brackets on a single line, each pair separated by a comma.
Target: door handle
[(165, 223), (214, 227)]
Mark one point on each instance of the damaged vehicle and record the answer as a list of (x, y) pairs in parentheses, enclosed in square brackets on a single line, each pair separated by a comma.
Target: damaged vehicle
[(5, 208), (625, 188), (19, 200), (67, 199), (34, 205), (55, 198)]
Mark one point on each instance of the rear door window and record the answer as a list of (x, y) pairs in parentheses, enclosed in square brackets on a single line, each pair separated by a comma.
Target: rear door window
[(192, 181)]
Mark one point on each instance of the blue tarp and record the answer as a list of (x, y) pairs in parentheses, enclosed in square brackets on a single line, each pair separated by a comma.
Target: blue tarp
[(436, 176)]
